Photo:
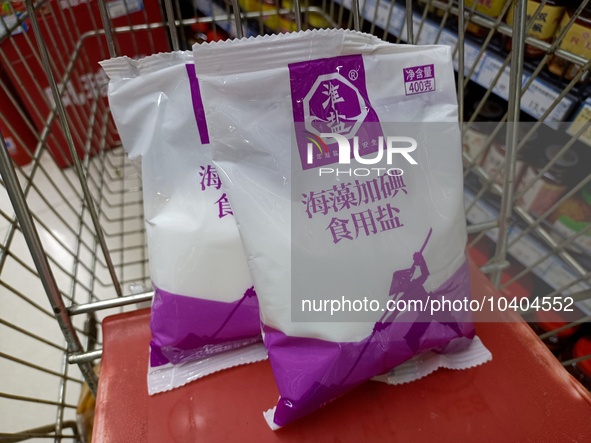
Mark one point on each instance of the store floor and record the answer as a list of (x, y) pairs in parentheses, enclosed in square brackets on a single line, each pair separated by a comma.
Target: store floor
[(24, 308)]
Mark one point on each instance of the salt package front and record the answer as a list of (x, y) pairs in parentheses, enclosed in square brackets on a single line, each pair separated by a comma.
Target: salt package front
[(204, 313), (341, 238)]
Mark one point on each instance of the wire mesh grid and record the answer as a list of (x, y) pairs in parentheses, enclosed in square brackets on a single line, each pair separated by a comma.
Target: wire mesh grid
[(83, 216)]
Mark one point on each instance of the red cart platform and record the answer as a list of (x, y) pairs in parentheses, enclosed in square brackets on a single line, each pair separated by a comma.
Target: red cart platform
[(523, 394)]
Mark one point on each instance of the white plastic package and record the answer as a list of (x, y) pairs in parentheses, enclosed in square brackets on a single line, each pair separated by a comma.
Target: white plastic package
[(205, 312), (337, 242)]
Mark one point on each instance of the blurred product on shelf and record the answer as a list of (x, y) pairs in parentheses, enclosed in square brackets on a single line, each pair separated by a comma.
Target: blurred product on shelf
[(271, 21), (577, 40), (288, 22), (15, 129), (478, 132), (490, 8), (573, 216), (582, 369), (10, 13), (544, 26), (523, 287), (206, 32), (494, 159), (317, 21), (541, 194), (311, 19), (247, 5), (431, 9), (184, 10), (547, 321)]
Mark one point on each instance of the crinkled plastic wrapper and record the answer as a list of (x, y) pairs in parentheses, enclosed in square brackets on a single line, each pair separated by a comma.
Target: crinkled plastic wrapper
[(205, 314), (277, 107)]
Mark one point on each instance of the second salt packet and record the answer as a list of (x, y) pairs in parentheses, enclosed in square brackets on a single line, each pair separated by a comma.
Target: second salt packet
[(205, 314)]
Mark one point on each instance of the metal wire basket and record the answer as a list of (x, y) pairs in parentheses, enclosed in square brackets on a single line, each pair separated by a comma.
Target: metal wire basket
[(71, 217)]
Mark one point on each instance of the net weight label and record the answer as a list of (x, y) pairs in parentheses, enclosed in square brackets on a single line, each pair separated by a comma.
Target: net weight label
[(419, 79), (420, 86)]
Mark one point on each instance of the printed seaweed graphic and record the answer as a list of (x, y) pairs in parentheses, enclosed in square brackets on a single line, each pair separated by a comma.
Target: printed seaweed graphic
[(406, 285)]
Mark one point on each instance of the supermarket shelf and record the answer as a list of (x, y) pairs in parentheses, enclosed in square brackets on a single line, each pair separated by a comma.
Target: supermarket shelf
[(553, 271), (536, 100)]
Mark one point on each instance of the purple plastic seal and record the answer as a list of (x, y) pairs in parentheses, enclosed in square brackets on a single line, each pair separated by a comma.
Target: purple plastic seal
[(326, 370), (188, 328), (330, 96)]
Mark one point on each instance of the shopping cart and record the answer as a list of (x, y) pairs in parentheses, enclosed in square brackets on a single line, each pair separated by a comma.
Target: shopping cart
[(71, 212)]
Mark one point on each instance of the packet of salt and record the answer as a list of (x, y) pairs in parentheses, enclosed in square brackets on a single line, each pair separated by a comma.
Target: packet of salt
[(343, 166), (205, 314)]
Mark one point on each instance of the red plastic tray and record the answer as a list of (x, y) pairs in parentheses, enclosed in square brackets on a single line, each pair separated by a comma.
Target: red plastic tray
[(524, 394)]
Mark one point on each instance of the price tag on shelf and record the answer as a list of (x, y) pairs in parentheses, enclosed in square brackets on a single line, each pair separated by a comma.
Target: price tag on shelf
[(382, 16), (416, 22), (488, 72), (539, 97), (583, 117), (470, 53), (398, 21), (385, 18), (451, 40), (471, 57), (368, 9), (428, 33)]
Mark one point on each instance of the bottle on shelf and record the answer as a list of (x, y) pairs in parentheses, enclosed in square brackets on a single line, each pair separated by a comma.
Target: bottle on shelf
[(271, 21), (433, 11), (494, 159), (577, 40), (541, 194), (287, 22), (490, 8), (573, 216), (475, 136), (315, 20), (544, 26), (247, 5)]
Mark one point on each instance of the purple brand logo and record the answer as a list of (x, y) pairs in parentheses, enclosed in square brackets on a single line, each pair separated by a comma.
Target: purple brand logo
[(334, 105), (329, 96)]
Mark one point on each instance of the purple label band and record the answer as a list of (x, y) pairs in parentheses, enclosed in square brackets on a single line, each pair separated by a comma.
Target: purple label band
[(187, 328), (330, 96), (197, 104), (312, 372)]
